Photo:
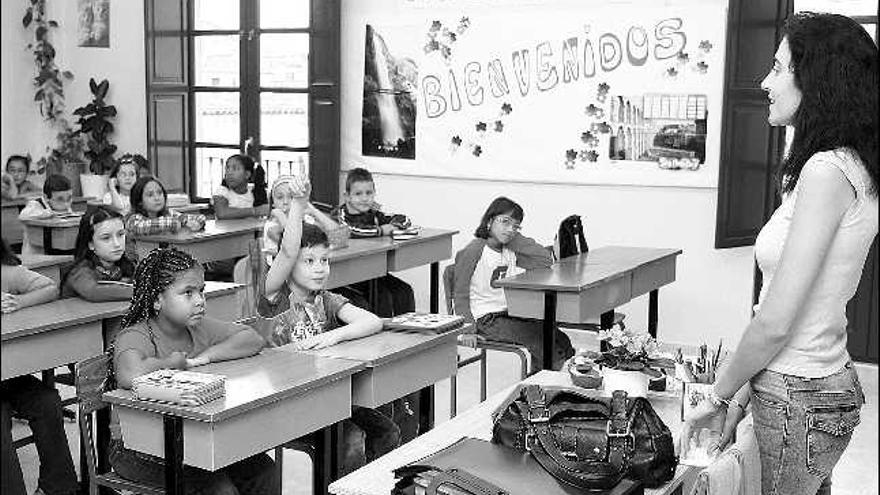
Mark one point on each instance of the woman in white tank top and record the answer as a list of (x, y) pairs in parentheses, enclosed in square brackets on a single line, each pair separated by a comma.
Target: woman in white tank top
[(792, 360)]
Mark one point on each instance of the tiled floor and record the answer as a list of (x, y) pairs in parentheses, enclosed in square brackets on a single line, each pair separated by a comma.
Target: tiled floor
[(856, 474)]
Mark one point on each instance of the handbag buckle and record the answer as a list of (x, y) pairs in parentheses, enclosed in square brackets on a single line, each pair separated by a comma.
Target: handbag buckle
[(539, 413), (613, 433)]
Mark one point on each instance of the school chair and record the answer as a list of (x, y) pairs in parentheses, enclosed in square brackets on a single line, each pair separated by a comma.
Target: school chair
[(91, 383), (251, 272), (482, 345)]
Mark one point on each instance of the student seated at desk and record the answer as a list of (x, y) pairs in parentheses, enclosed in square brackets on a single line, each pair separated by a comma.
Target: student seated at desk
[(166, 327), (122, 179), (150, 214), (500, 251), (306, 316), (15, 181), (362, 215), (242, 194), (29, 398), (57, 200), (100, 271), (22, 287)]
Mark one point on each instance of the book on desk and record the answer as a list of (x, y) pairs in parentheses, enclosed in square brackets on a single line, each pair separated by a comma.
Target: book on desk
[(422, 322), (187, 388)]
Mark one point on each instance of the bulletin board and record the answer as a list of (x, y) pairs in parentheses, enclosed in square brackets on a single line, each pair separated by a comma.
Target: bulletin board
[(580, 92)]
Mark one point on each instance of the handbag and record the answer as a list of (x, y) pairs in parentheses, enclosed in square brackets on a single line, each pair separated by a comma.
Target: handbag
[(476, 467), (587, 441)]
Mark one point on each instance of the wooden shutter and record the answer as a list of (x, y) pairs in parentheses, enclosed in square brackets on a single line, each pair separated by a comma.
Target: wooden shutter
[(750, 149), (324, 101), (861, 313), (167, 71)]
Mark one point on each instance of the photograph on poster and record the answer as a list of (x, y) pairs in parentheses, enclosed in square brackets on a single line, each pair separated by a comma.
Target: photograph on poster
[(93, 29), (389, 106)]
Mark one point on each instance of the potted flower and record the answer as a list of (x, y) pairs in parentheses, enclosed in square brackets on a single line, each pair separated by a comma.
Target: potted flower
[(66, 158), (627, 361), (95, 125)]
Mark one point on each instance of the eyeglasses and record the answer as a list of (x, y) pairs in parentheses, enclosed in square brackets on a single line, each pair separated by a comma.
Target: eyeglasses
[(506, 221)]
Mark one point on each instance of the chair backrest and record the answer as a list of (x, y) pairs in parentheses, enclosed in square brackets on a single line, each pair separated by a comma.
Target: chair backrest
[(92, 380), (449, 287), (571, 237)]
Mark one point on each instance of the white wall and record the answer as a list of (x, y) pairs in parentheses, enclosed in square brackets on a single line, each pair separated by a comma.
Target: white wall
[(711, 297), (122, 64)]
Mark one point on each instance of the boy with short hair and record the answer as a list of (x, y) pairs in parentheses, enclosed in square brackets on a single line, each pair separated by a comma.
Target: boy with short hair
[(15, 181), (363, 216), (57, 199), (297, 310)]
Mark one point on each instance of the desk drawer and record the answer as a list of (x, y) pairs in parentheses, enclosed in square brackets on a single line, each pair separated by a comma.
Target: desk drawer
[(48, 350), (652, 276), (411, 255)]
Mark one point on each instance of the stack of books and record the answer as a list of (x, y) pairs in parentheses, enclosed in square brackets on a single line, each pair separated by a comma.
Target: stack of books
[(186, 388), (404, 234), (423, 322), (177, 199)]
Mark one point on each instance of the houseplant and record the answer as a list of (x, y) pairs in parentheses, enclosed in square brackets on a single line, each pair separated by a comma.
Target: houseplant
[(49, 81), (66, 158), (94, 123), (627, 361)]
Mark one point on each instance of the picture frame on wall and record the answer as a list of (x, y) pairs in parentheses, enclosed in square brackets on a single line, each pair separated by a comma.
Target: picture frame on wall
[(93, 23)]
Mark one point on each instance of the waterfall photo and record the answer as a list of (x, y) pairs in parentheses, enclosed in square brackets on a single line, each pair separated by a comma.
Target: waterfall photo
[(388, 124)]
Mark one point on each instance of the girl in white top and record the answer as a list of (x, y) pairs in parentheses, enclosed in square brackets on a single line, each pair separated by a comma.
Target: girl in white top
[(122, 178), (811, 252), (237, 197)]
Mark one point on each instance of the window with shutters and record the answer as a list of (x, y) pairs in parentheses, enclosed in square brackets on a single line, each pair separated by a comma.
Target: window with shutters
[(233, 76)]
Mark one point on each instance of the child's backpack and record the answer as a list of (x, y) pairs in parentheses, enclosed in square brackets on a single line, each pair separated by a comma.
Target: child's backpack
[(570, 238)]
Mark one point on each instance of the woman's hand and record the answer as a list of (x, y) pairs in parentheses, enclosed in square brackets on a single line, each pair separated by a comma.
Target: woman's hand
[(734, 415), (704, 415), (319, 341)]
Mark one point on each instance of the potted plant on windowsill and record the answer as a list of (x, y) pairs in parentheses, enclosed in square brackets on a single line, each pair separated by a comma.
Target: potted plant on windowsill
[(627, 363), (66, 158), (94, 123)]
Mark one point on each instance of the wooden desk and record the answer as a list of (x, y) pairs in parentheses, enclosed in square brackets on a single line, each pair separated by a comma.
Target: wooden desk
[(53, 334), (187, 208), (430, 247), (54, 235), (582, 286), (270, 399), (47, 265), (13, 230), (377, 478), (398, 364), (220, 239), (362, 259)]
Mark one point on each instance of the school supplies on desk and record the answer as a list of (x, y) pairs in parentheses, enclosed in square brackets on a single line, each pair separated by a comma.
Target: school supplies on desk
[(423, 322), (177, 199), (186, 388), (69, 214), (404, 234)]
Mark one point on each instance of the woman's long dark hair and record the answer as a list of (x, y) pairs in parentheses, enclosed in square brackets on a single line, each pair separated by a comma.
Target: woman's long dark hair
[(499, 206), (835, 68), (93, 216)]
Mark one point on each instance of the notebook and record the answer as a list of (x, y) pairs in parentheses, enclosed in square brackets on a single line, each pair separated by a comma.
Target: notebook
[(423, 322), (186, 388), (404, 234)]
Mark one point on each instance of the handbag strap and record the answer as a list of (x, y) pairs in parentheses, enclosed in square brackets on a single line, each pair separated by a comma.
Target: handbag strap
[(462, 480), (587, 474)]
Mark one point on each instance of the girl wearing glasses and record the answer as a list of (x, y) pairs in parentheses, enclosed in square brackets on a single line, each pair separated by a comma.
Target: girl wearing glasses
[(499, 251)]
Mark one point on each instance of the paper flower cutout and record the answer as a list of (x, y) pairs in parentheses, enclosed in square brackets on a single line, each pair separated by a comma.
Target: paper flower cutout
[(583, 154), (478, 150), (506, 108), (672, 72), (570, 154), (499, 126), (682, 57), (451, 36), (603, 89), (481, 126), (465, 22), (446, 52), (435, 26), (601, 127), (592, 155), (456, 140), (705, 46), (702, 67), (431, 46), (594, 111)]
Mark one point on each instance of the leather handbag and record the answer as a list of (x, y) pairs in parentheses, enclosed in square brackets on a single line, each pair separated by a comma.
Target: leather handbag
[(587, 441), (477, 467)]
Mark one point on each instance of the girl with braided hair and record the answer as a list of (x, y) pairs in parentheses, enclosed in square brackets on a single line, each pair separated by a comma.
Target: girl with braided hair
[(166, 327)]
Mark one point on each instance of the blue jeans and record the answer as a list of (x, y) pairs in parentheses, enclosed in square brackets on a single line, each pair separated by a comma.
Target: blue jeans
[(803, 425)]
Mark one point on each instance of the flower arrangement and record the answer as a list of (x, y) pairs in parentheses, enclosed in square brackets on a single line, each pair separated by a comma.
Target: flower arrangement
[(629, 350)]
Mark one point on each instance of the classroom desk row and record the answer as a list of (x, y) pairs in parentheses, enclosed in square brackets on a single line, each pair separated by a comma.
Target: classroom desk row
[(12, 227), (68, 330), (279, 390)]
